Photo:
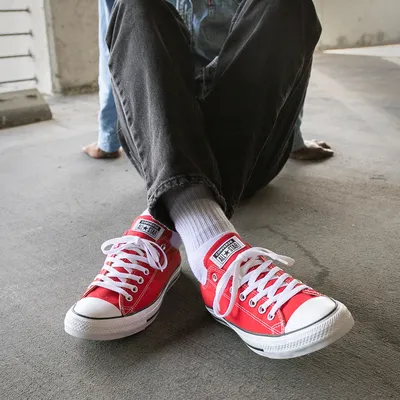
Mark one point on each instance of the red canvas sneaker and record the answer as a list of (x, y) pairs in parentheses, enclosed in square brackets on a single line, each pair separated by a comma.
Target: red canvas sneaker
[(126, 295), (276, 315)]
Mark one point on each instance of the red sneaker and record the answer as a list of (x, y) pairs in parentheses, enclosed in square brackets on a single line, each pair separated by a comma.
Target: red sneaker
[(126, 295), (275, 315)]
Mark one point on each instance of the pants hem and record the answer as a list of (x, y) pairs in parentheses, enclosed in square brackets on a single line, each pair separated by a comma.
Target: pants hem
[(157, 208)]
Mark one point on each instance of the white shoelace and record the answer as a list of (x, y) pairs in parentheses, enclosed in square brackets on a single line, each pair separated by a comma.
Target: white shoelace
[(239, 272), (147, 251)]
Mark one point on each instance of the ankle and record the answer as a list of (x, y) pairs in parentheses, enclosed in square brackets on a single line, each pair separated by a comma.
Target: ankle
[(199, 220)]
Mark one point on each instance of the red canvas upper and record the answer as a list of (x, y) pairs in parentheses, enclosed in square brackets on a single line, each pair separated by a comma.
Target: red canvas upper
[(248, 318), (147, 228)]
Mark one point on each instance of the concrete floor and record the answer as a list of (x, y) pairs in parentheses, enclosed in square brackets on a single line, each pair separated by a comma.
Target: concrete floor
[(339, 219)]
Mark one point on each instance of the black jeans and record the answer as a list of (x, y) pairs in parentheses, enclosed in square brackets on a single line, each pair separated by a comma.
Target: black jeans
[(236, 137)]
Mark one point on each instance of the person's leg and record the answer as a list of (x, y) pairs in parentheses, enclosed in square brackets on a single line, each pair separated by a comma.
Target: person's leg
[(107, 145), (181, 161), (258, 89), (298, 141), (108, 139), (171, 130), (250, 113), (251, 147), (162, 125), (310, 150), (162, 132)]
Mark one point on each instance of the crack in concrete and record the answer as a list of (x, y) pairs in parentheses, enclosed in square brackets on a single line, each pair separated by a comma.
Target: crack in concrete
[(324, 271)]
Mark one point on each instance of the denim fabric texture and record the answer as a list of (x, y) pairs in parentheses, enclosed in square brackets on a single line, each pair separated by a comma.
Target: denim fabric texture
[(232, 130), (107, 136)]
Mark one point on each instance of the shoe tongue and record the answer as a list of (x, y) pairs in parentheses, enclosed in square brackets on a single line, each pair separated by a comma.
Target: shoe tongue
[(146, 228), (225, 250)]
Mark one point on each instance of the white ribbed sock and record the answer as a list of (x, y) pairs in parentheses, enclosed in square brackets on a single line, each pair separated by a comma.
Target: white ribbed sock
[(199, 220)]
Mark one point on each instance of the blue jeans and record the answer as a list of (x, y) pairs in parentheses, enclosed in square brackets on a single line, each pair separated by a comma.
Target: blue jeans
[(298, 141), (108, 139)]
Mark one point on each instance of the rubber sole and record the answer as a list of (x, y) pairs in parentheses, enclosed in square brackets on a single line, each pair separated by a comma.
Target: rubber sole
[(115, 328), (301, 342)]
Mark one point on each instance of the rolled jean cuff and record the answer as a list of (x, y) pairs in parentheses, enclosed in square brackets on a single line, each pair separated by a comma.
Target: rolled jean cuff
[(157, 208), (108, 148), (108, 142), (298, 142)]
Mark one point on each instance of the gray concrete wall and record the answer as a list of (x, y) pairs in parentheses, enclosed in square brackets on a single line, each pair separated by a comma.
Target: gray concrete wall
[(73, 30), (63, 44), (358, 23)]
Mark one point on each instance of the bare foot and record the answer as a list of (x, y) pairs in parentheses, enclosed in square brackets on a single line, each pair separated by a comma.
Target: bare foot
[(94, 151), (314, 150)]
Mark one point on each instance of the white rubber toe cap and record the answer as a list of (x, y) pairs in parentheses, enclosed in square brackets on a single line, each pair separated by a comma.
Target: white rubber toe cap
[(92, 307), (309, 312)]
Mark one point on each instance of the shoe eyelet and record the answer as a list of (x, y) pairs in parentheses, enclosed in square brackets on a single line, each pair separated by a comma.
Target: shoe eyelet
[(140, 281), (214, 277), (146, 272), (252, 303), (262, 310), (230, 290), (129, 298), (242, 297), (163, 246), (270, 317), (134, 289)]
